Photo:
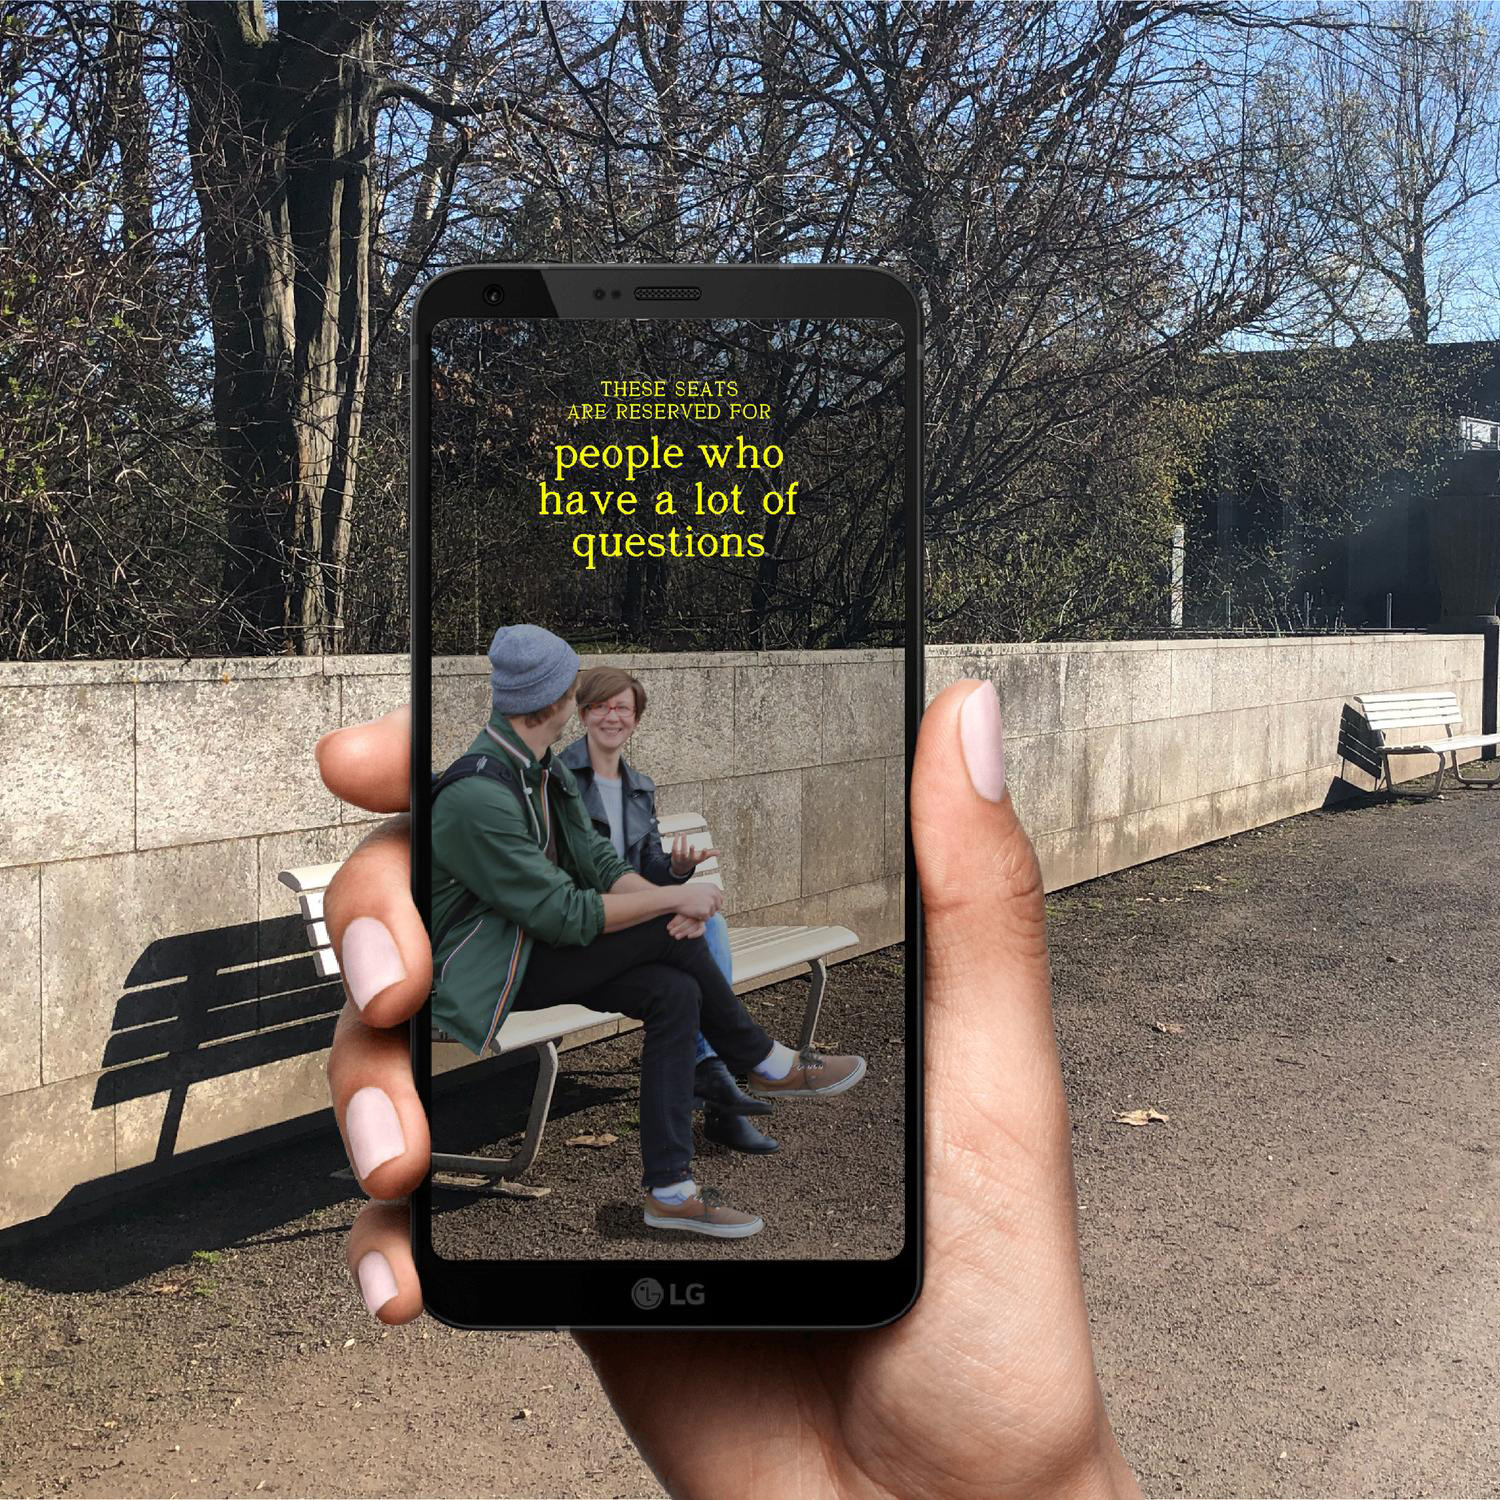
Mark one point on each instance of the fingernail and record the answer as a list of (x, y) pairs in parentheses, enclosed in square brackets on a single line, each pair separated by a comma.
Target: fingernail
[(371, 959), (374, 1130), (377, 1282), (983, 739)]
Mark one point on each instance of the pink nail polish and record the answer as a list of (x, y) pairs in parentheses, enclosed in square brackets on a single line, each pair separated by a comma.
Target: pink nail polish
[(377, 1282), (982, 737), (370, 959), (374, 1129)]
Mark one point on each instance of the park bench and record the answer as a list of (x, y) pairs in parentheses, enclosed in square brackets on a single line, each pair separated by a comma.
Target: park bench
[(756, 952), (1364, 727)]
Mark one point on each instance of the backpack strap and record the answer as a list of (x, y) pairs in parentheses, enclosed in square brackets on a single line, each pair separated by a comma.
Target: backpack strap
[(495, 769)]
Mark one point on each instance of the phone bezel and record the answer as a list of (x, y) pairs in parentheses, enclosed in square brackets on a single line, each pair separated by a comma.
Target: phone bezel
[(733, 1294)]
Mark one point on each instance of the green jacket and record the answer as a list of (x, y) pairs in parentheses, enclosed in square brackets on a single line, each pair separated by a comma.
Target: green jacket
[(487, 848)]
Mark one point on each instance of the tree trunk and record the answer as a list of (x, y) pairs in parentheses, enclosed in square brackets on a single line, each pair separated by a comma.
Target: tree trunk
[(280, 134)]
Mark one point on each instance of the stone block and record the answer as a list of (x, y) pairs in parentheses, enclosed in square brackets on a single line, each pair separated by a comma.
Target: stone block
[(895, 815), (159, 1126), (778, 716), (805, 911), (218, 759), (1044, 773), (1138, 837), (872, 910), (69, 784), (460, 709), (52, 1139), (1212, 763), (1241, 677), (1195, 822), (757, 826), (1068, 856), (864, 717), (843, 825), (679, 797), (1174, 755), (1141, 768), (943, 667), (1248, 744), (133, 938), (1192, 680), (1288, 671), (1231, 812), (688, 731), (372, 695), (1030, 685), (20, 979), (1099, 773)]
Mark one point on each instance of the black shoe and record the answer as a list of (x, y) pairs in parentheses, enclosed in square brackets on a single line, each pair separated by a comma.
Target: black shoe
[(714, 1085), (736, 1132)]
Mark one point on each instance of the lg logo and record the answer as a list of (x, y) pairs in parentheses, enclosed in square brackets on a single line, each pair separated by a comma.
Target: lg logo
[(648, 1294)]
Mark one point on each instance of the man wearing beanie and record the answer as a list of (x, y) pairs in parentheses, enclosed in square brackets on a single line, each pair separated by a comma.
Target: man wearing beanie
[(532, 907)]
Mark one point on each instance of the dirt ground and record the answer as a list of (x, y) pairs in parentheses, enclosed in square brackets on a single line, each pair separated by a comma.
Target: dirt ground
[(832, 1191), (1294, 1281)]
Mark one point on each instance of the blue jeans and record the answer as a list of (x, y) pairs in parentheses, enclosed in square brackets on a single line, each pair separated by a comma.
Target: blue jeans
[(716, 935)]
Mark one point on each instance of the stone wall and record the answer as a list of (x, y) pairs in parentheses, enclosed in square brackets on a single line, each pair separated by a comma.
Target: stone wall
[(1122, 752), (156, 997)]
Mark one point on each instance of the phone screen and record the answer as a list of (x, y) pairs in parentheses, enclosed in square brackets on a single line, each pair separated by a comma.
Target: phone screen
[(667, 569)]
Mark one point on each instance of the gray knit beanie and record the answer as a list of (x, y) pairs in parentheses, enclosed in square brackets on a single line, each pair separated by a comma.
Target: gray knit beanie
[(531, 668)]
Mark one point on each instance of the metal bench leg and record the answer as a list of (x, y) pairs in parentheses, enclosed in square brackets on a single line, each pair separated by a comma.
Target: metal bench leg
[(1480, 781), (541, 1103), (817, 983)]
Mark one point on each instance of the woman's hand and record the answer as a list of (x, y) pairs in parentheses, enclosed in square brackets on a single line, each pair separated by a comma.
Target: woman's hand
[(987, 1387), (686, 859)]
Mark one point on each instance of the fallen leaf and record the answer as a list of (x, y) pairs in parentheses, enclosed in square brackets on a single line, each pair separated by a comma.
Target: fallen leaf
[(1171, 1028), (348, 1343), (1141, 1117), (163, 1288), (591, 1140), (1200, 888)]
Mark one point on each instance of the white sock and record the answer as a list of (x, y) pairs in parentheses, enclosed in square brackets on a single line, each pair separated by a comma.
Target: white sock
[(777, 1063), (678, 1192)]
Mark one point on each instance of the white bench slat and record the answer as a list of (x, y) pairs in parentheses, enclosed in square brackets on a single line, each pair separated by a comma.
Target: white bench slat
[(792, 945), (1442, 747), (1418, 695), (309, 878)]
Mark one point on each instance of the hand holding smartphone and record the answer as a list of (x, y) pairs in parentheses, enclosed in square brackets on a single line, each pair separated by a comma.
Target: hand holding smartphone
[(701, 484)]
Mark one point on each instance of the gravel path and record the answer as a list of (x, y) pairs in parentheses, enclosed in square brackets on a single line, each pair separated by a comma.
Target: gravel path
[(1294, 1281)]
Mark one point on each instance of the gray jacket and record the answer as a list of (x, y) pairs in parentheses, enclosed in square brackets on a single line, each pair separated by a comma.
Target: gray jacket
[(643, 850)]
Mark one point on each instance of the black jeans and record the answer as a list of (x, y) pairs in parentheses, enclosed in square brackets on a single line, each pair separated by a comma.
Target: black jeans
[(674, 987)]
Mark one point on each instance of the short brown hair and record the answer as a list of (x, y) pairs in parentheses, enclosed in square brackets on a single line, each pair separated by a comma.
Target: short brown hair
[(541, 715), (599, 684)]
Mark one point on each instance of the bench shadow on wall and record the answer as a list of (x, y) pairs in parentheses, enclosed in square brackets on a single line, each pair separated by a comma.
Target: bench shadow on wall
[(198, 1009)]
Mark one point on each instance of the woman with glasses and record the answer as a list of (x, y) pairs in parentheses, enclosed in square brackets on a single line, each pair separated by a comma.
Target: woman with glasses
[(621, 801)]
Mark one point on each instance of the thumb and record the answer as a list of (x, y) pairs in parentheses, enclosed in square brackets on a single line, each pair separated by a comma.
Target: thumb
[(994, 1072)]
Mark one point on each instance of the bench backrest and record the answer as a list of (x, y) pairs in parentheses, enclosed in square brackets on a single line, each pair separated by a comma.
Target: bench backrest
[(1409, 710), (1366, 721)]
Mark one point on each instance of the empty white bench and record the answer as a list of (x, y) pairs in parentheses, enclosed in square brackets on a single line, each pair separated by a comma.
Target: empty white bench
[(1364, 728), (755, 952)]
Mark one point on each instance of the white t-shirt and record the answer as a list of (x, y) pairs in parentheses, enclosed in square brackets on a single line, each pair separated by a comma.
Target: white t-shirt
[(612, 794)]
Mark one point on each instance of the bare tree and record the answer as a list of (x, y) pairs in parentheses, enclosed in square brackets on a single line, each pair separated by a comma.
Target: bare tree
[(1406, 144)]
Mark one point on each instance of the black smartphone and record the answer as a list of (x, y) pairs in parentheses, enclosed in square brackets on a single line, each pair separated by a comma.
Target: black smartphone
[(666, 674)]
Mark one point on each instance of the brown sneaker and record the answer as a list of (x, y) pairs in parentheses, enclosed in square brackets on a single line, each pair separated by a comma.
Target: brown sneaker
[(704, 1213), (812, 1073)]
